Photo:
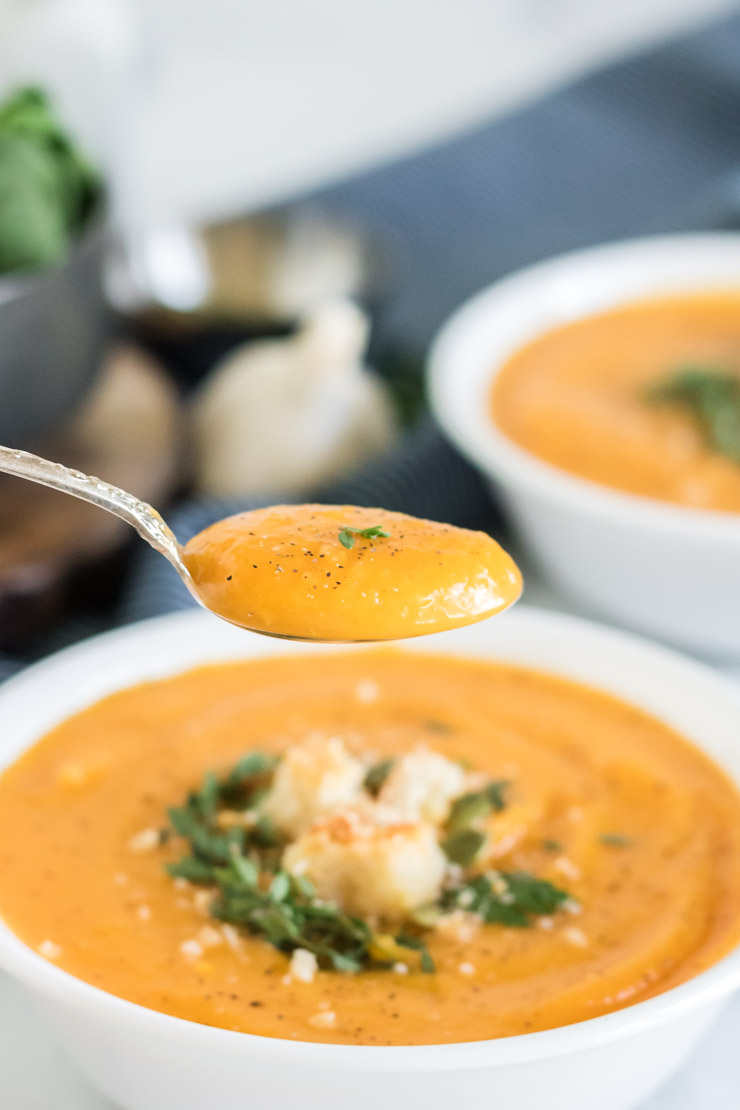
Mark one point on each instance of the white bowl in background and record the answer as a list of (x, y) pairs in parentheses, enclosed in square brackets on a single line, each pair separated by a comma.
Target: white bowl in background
[(671, 571), (144, 1060)]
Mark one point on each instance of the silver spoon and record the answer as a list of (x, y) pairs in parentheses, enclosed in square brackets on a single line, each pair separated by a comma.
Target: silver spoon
[(146, 520), (140, 515)]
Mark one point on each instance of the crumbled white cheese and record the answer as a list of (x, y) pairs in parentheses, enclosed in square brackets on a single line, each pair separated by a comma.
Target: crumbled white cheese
[(459, 925), (210, 937), (400, 968), (145, 841), (313, 778), (454, 873), (499, 885), (50, 950), (466, 969), (192, 949), (567, 868), (367, 691), (370, 867), (422, 786), (202, 901), (144, 913), (240, 819), (303, 965), (232, 938), (575, 936), (325, 1019)]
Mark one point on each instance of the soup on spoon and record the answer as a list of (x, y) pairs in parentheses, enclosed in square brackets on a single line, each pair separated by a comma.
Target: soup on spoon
[(343, 573), (314, 572)]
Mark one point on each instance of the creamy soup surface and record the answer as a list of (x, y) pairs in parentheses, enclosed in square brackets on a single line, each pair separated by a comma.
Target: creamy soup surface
[(344, 573), (639, 827), (575, 397)]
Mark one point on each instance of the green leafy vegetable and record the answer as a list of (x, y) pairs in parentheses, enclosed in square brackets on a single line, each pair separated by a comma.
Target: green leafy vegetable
[(712, 397), (615, 840), (47, 189), (347, 535)]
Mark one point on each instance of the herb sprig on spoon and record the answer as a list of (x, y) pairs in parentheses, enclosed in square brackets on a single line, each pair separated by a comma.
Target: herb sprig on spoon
[(347, 535)]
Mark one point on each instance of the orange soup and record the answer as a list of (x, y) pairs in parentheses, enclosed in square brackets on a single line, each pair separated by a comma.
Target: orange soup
[(339, 572), (578, 397), (608, 848)]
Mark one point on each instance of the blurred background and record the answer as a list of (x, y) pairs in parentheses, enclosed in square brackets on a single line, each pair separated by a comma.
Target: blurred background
[(229, 231)]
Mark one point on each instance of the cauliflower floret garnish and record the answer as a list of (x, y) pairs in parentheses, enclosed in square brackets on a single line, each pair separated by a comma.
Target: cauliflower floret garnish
[(313, 778), (422, 785), (369, 864)]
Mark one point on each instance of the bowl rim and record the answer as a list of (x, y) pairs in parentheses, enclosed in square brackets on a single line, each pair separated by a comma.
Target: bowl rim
[(711, 986), (460, 372)]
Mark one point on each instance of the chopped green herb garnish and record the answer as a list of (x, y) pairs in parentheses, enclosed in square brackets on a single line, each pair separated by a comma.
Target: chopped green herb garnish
[(712, 397), (615, 840), (251, 766), (477, 806), (506, 898), (242, 864), (192, 869), (552, 846), (240, 860), (463, 847), (416, 944), (376, 776), (347, 535)]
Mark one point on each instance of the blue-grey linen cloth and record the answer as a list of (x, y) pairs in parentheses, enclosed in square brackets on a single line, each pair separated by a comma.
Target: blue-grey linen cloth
[(647, 145)]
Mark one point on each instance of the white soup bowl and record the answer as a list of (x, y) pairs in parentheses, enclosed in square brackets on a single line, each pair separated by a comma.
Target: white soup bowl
[(671, 571), (143, 1060)]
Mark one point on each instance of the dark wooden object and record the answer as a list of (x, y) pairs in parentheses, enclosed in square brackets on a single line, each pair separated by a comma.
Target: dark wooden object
[(129, 432)]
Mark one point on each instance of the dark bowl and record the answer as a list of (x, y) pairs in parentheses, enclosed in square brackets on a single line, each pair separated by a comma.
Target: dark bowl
[(55, 326)]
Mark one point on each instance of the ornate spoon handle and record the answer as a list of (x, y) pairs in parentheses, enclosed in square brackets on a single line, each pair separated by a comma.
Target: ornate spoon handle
[(146, 520)]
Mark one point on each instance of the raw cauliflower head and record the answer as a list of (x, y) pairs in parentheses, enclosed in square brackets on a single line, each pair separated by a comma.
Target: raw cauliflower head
[(368, 866), (312, 778), (422, 786)]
